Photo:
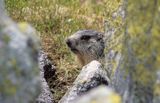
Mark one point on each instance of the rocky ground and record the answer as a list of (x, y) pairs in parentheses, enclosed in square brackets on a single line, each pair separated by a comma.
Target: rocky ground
[(47, 71)]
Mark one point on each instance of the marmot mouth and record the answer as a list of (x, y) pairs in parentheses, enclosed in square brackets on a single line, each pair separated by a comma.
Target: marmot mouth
[(74, 50)]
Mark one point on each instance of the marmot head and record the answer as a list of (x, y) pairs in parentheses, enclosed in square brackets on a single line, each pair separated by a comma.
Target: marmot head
[(88, 45)]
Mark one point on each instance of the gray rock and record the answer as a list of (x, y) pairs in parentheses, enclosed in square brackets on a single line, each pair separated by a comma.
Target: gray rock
[(157, 84), (47, 71), (119, 81), (125, 81), (19, 80), (91, 76), (101, 94), (2, 5)]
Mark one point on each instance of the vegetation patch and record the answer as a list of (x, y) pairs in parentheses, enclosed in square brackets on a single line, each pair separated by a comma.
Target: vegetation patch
[(57, 19)]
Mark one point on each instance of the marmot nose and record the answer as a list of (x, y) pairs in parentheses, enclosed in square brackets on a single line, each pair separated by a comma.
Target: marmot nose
[(68, 42)]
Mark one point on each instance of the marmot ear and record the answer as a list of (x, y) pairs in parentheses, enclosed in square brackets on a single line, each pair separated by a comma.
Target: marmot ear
[(100, 35)]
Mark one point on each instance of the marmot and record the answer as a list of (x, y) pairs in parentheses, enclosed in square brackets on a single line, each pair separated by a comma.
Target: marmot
[(88, 45)]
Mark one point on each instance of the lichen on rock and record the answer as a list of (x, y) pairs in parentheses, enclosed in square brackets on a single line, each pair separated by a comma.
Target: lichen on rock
[(91, 76), (19, 80)]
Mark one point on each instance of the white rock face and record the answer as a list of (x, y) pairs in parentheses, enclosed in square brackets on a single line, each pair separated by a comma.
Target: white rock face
[(91, 76), (101, 94)]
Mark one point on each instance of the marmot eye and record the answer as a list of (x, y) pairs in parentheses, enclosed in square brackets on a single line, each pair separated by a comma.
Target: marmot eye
[(85, 37)]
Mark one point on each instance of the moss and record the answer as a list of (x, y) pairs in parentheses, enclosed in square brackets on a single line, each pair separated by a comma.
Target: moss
[(141, 48)]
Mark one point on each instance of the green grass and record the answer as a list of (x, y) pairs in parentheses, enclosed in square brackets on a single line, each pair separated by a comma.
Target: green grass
[(56, 20)]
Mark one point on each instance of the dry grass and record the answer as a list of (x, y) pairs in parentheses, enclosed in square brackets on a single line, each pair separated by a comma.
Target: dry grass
[(57, 19)]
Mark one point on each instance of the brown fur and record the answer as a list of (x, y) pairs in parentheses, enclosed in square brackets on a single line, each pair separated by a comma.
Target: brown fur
[(87, 45)]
